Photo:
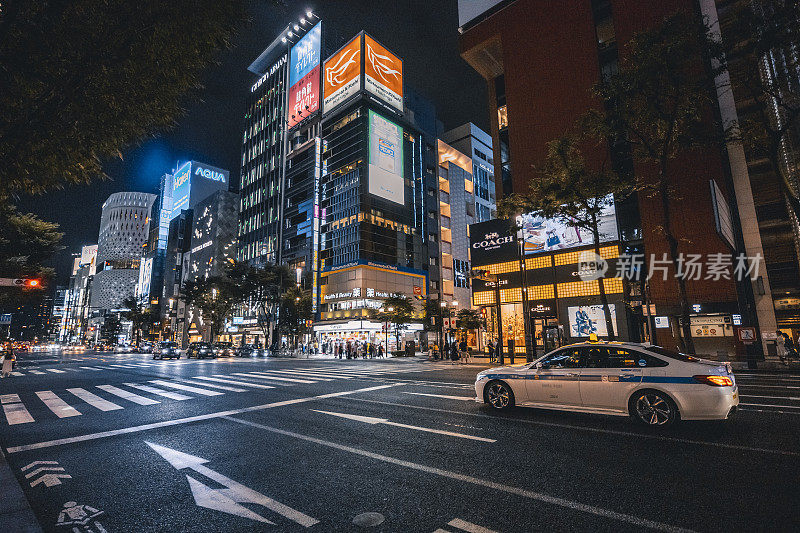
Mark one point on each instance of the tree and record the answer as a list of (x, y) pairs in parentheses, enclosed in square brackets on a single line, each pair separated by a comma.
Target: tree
[(568, 190), (215, 297), (398, 310), (263, 288), (141, 318), (760, 45), (432, 315), (83, 80), (661, 101), (469, 319), (295, 313)]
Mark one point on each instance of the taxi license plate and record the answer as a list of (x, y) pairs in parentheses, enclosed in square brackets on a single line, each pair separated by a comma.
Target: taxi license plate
[(735, 395)]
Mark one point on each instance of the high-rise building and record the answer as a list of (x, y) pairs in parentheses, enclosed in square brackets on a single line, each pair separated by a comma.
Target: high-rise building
[(476, 144), (124, 228)]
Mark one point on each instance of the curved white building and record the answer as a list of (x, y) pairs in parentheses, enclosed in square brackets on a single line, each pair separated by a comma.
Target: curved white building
[(124, 228)]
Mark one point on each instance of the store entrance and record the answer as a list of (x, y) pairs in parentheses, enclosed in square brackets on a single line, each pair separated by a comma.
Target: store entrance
[(548, 335)]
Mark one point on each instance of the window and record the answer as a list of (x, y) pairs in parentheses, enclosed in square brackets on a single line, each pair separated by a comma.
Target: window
[(568, 358), (502, 117), (601, 357)]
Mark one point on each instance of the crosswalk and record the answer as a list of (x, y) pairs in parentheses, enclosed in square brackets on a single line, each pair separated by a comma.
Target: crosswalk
[(76, 401), (769, 393), (67, 370)]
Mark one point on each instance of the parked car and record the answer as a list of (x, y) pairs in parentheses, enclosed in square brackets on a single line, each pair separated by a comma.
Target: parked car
[(653, 385), (250, 350), (199, 350), (224, 349), (167, 349)]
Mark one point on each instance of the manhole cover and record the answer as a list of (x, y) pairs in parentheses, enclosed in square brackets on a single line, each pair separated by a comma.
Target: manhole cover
[(368, 520)]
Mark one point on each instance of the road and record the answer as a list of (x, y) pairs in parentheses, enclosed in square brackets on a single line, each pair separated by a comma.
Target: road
[(119, 442)]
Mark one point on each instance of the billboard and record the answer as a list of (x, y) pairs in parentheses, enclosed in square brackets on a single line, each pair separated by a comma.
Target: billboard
[(383, 73), (550, 235), (587, 319), (181, 186), (493, 241), (304, 65), (342, 75), (386, 159)]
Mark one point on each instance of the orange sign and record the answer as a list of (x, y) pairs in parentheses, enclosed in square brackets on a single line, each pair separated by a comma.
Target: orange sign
[(383, 73), (342, 75)]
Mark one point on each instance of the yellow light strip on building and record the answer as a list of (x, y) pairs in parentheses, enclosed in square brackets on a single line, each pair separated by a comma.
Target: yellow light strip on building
[(606, 252), (538, 262), (540, 292), (589, 288)]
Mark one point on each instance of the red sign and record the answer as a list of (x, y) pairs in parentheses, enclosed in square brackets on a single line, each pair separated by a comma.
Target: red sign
[(304, 97), (417, 290)]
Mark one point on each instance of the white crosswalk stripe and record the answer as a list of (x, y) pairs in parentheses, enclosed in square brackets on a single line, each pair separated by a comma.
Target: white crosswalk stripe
[(213, 385), (59, 407), (316, 375), (278, 378), (127, 395), (234, 382), (159, 392), (15, 411), (196, 390), (94, 400), (55, 370), (17, 373), (38, 372), (91, 368)]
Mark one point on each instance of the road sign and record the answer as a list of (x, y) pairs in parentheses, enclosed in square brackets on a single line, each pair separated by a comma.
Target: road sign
[(227, 500), (746, 334)]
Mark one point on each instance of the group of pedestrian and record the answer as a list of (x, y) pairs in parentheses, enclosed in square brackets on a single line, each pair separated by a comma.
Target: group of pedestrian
[(787, 349), (493, 349), (355, 350), (454, 351)]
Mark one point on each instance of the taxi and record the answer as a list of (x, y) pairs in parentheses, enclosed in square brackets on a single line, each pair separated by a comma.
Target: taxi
[(654, 385)]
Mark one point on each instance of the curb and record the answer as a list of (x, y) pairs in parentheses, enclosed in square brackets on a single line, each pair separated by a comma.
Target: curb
[(16, 515)]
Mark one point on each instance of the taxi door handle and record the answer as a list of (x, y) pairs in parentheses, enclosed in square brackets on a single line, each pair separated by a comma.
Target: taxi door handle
[(571, 374)]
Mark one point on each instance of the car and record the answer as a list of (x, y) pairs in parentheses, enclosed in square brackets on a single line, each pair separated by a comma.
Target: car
[(166, 349), (146, 347), (223, 349), (653, 385), (199, 350), (249, 350)]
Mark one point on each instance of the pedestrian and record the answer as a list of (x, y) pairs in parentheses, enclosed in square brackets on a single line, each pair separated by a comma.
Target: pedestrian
[(380, 350), (454, 351), (8, 363), (789, 350), (490, 350), (462, 347)]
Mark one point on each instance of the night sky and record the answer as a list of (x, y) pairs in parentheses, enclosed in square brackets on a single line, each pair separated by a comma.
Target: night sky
[(423, 33)]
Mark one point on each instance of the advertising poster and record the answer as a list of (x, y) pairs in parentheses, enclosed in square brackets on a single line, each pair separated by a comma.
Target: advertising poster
[(587, 319), (386, 159), (304, 76), (180, 189), (550, 235), (492, 241), (383, 73), (342, 75)]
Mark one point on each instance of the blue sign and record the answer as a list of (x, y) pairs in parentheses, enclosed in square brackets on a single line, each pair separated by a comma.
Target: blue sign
[(210, 173), (5, 319), (181, 187), (305, 55)]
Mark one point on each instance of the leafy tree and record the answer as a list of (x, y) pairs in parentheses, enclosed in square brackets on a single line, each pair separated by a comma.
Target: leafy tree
[(82, 80), (215, 297), (760, 43), (469, 319), (263, 287), (140, 317), (432, 315), (295, 312), (568, 190), (398, 310), (661, 101)]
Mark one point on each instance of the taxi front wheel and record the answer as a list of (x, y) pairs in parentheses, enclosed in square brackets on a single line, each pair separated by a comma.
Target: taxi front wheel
[(499, 395), (654, 409)]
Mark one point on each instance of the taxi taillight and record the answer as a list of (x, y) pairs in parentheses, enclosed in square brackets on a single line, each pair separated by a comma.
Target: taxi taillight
[(714, 381)]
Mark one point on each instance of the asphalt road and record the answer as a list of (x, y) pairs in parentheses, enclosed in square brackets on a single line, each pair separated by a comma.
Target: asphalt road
[(384, 445)]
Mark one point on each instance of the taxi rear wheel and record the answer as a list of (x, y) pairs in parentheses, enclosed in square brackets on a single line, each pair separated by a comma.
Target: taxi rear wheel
[(499, 395), (654, 409)]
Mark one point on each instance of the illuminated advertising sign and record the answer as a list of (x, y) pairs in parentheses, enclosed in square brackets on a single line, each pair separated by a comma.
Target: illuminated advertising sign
[(386, 159), (181, 187), (587, 319), (550, 235), (342, 75), (383, 73), (304, 76), (214, 174)]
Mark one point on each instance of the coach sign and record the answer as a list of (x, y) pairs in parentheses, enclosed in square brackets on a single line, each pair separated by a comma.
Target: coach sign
[(493, 241)]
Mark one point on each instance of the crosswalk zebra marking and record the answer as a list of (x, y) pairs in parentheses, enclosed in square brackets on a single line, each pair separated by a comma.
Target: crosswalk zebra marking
[(127, 395), (278, 378), (37, 372), (91, 368), (196, 390), (160, 392), (59, 407), (15, 373), (94, 400), (55, 370), (235, 382), (15, 411), (214, 385)]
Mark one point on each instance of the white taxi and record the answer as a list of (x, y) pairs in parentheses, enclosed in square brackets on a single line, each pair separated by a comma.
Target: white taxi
[(653, 385)]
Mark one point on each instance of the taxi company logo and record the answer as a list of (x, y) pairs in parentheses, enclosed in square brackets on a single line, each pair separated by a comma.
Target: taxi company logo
[(590, 266), (335, 74), (493, 240), (210, 174), (383, 65)]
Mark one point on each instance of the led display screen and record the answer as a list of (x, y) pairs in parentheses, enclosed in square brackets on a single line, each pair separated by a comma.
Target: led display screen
[(342, 75), (304, 68), (383, 73), (386, 159)]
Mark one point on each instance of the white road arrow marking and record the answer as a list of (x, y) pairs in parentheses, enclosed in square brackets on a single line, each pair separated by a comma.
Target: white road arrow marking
[(227, 500), (24, 468), (51, 479), (372, 420), (42, 469)]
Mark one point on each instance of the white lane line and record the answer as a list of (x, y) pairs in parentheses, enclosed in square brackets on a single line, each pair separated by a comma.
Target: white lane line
[(95, 400), (15, 411), (213, 385), (54, 370), (127, 395), (90, 368), (235, 382), (445, 396), (484, 483), (59, 407), (586, 428), (468, 526), (373, 420), (771, 397), (187, 388), (771, 405), (279, 378), (160, 392), (187, 420)]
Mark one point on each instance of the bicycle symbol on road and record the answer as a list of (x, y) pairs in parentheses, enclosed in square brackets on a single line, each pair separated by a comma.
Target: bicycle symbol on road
[(81, 518)]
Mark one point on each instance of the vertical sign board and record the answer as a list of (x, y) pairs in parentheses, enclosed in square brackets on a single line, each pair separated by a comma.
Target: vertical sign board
[(315, 237), (342, 75), (383, 73), (386, 159), (181, 183), (304, 76)]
